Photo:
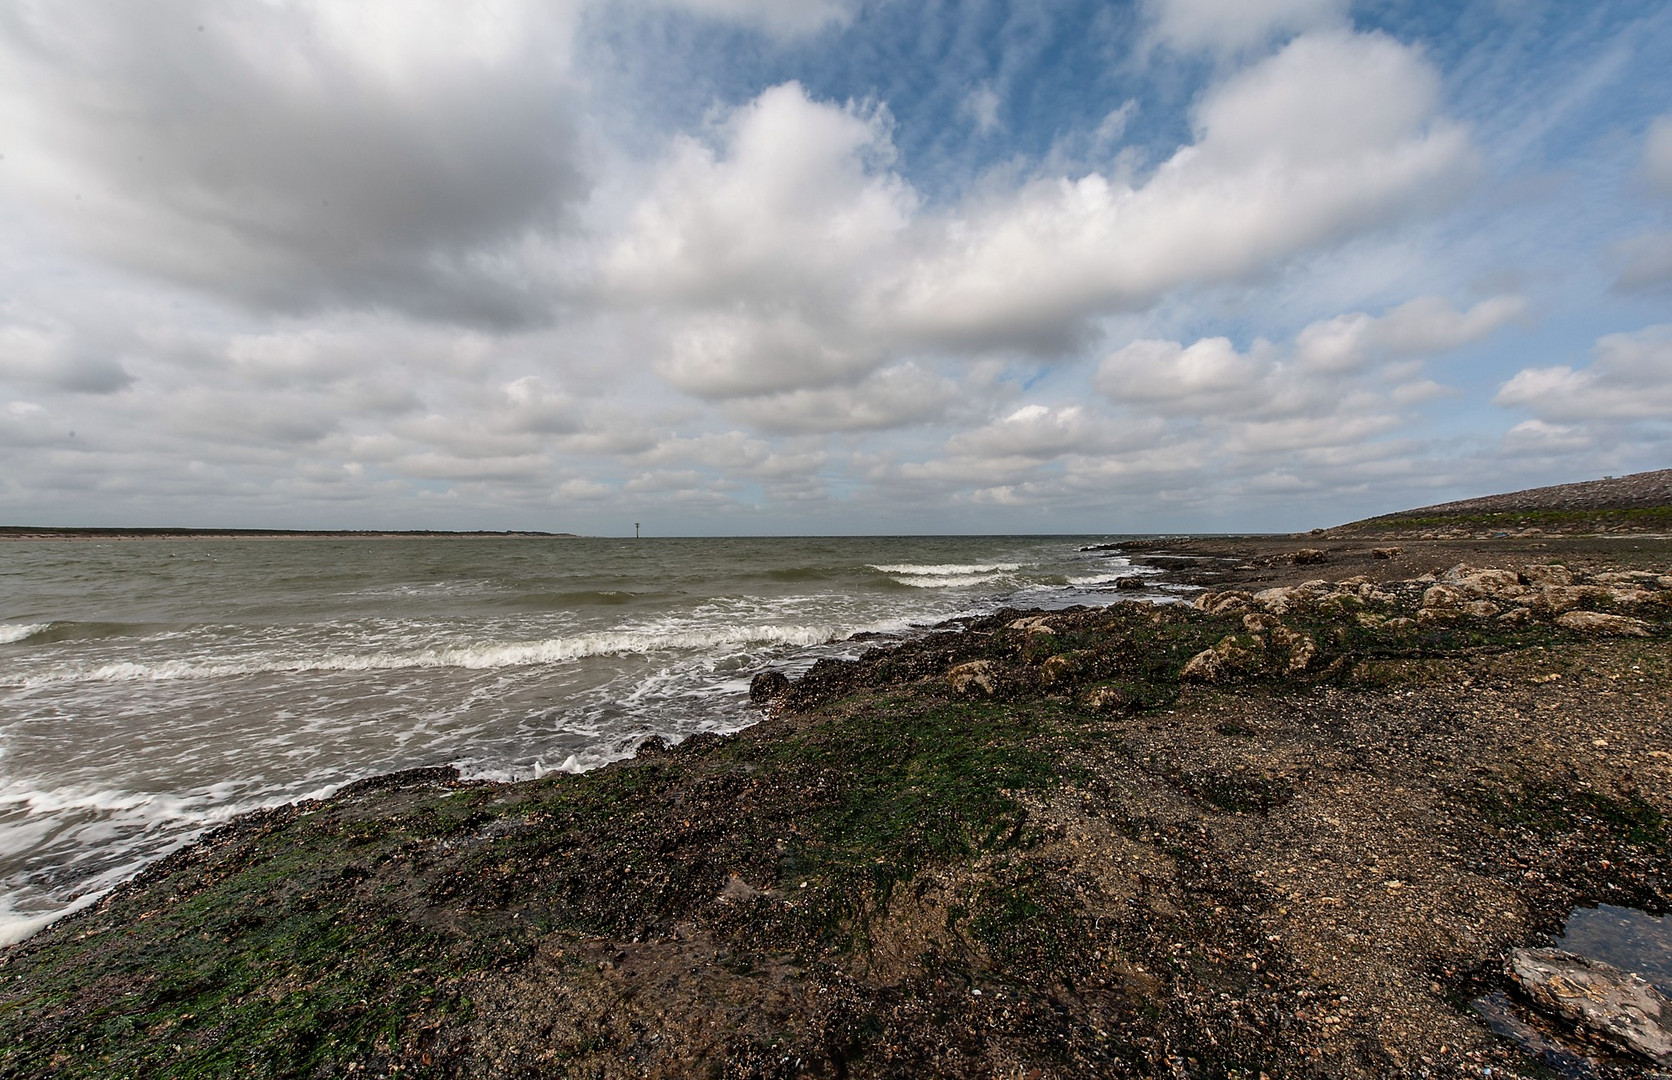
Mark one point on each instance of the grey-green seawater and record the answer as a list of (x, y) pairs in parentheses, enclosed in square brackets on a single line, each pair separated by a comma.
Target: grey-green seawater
[(152, 688)]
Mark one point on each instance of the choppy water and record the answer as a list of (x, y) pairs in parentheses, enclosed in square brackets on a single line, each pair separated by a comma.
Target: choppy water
[(149, 689)]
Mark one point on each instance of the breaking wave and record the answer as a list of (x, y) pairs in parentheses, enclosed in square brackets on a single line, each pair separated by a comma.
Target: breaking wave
[(946, 569), (471, 657), (14, 632)]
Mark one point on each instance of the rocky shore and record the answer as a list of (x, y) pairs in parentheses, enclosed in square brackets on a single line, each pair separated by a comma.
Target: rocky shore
[(1316, 822)]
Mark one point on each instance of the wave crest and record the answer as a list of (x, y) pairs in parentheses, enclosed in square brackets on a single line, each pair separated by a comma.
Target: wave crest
[(474, 657), (15, 632), (946, 569)]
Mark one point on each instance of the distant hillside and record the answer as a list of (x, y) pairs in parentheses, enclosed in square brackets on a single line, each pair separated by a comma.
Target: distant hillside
[(1641, 502)]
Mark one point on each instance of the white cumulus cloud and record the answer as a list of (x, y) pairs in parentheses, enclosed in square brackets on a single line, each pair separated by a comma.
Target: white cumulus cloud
[(1629, 378), (1334, 135)]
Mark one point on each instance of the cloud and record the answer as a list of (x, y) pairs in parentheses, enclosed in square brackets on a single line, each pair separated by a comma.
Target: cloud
[(48, 359), (1208, 376), (535, 408), (1656, 166), (1539, 437), (893, 397), (982, 105), (401, 254), (1114, 124), (302, 154), (1039, 433), (1426, 326), (1211, 378), (1645, 261), (29, 424), (1232, 26), (741, 354), (792, 255), (1629, 379), (1335, 135), (787, 18), (754, 253), (798, 199)]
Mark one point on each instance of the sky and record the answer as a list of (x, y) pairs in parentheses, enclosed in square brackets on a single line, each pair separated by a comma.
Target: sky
[(741, 267)]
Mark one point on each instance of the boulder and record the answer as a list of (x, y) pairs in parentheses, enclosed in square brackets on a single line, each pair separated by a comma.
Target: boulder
[(1546, 574), (974, 678), (1386, 553), (1222, 662), (1058, 669), (1639, 578), (1033, 624), (1130, 581), (1516, 616), (1108, 699), (766, 686), (1277, 600), (1481, 609), (1229, 602), (1555, 599), (1618, 1007), (654, 747), (1301, 647), (1603, 625), (1443, 596), (1340, 603), (1258, 622), (1438, 616), (1491, 584), (1308, 557)]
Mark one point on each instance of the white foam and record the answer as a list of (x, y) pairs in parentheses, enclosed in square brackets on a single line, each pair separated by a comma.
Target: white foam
[(14, 927), (209, 805), (946, 569), (14, 632), (946, 581), (472, 657)]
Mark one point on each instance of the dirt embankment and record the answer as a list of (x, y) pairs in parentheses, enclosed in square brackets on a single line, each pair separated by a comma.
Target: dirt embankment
[(1292, 830), (1638, 503)]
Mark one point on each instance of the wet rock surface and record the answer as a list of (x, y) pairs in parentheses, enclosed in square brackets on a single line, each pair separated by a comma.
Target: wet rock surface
[(768, 686), (1020, 845), (1619, 1008)]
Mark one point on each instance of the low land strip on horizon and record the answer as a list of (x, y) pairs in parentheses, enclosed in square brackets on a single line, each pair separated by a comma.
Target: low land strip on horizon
[(37, 532)]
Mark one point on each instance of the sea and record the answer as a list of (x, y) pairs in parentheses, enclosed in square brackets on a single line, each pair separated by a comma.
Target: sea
[(151, 689)]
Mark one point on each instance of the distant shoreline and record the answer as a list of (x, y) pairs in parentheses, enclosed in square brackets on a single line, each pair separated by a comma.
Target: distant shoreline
[(32, 532)]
